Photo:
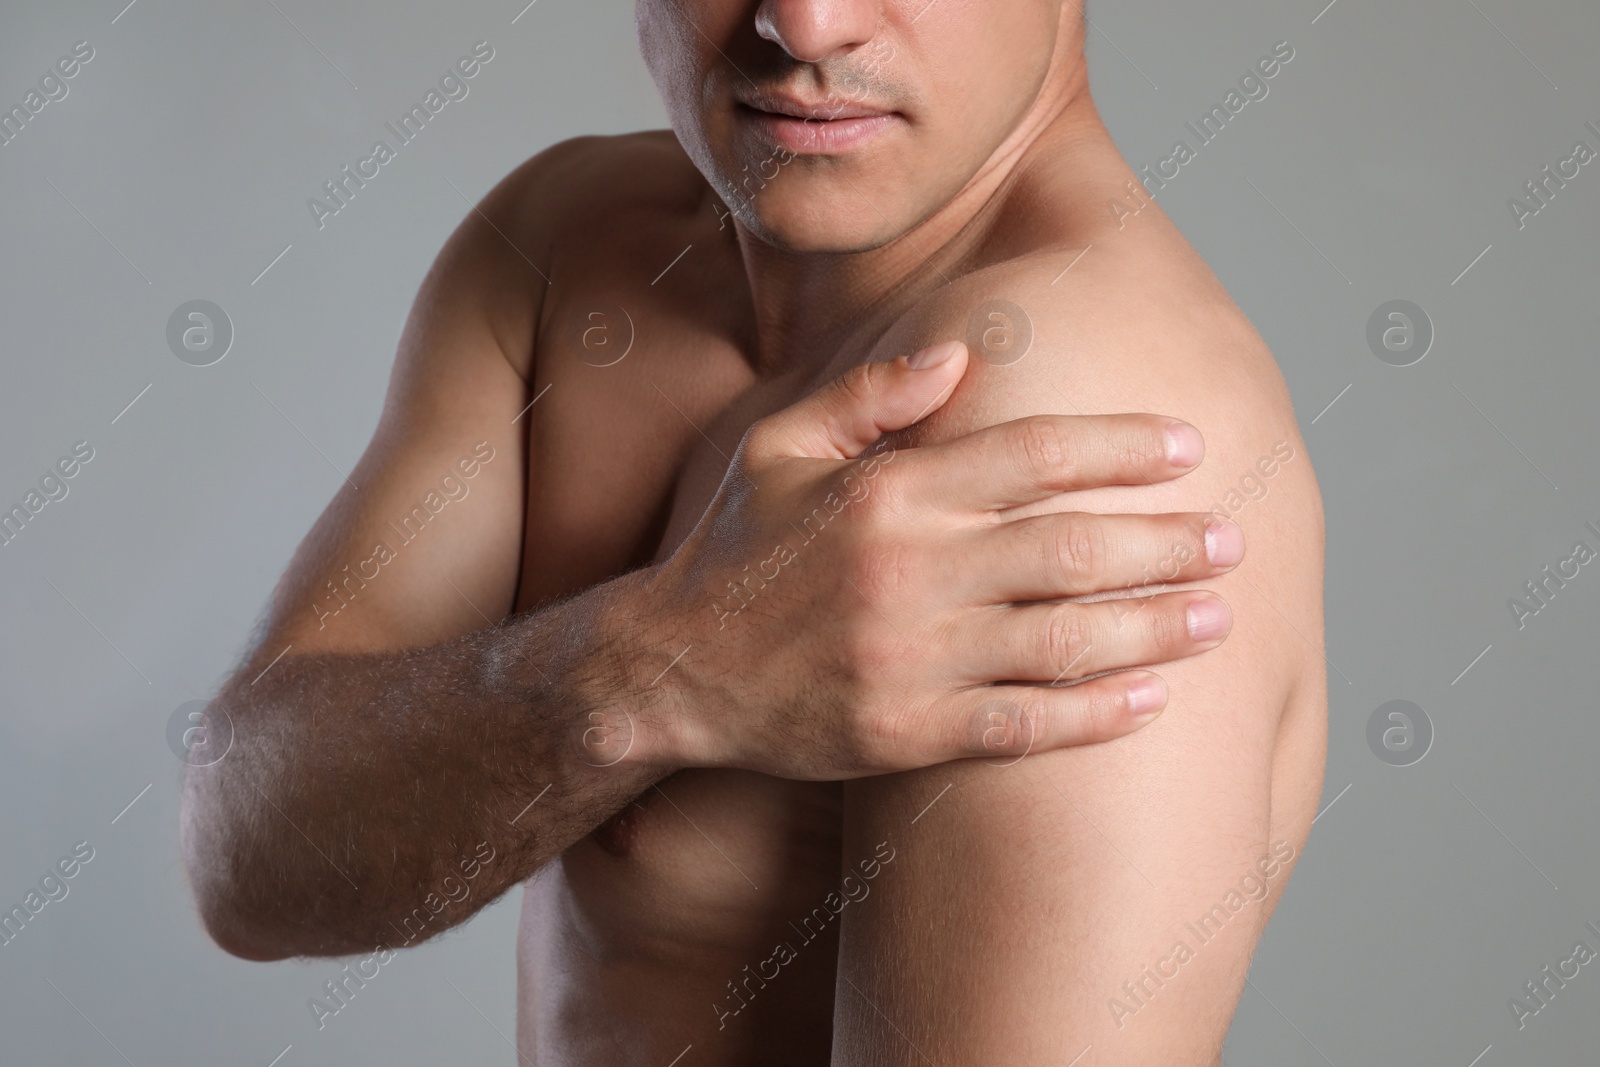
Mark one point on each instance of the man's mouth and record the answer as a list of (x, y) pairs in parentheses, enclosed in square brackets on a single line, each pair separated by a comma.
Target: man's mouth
[(823, 126)]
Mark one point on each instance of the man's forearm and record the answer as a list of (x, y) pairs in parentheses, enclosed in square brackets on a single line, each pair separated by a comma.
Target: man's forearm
[(359, 789)]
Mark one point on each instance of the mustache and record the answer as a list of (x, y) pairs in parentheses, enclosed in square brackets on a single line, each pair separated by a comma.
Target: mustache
[(854, 80)]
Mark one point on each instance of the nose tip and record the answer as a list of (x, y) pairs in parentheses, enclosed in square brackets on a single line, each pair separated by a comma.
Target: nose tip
[(812, 30)]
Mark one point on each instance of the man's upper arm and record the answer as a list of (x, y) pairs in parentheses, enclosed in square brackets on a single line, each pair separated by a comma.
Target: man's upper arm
[(1051, 904), (423, 541)]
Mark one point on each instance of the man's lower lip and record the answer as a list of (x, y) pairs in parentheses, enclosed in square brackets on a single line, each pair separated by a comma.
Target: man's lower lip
[(819, 136)]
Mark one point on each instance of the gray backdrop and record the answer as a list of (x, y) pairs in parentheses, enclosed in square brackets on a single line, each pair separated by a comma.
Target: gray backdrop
[(1378, 168)]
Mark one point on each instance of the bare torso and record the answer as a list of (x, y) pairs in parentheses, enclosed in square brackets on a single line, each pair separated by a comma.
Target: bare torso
[(636, 944)]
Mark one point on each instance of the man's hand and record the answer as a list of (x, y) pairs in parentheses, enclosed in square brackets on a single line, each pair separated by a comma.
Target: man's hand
[(847, 610)]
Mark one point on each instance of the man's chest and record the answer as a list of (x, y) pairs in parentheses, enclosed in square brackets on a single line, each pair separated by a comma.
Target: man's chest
[(637, 424), (629, 386)]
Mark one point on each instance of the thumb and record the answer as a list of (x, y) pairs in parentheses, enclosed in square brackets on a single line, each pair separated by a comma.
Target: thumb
[(843, 418)]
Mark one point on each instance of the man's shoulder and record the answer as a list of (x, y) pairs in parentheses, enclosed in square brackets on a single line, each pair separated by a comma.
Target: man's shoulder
[(584, 220), (1103, 327)]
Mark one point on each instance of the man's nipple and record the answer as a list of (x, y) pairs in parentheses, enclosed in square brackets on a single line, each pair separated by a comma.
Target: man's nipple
[(617, 834)]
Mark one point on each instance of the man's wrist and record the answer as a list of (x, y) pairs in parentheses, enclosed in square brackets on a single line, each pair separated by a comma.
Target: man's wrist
[(632, 699)]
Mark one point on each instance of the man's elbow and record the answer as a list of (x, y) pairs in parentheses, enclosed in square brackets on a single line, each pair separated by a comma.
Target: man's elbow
[(237, 934), (228, 909)]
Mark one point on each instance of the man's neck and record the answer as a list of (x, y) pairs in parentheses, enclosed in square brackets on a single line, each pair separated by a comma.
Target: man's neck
[(809, 304)]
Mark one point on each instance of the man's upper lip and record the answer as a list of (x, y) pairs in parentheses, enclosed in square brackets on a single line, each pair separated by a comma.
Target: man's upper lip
[(823, 110)]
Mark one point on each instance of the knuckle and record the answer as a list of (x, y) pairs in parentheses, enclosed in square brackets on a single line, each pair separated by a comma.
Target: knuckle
[(1041, 446), (883, 738), (757, 441), (1175, 550), (1169, 627), (992, 726), (883, 568), (1066, 636), (1146, 444), (1006, 727), (857, 385), (1186, 536), (1032, 726), (1102, 708), (1078, 548)]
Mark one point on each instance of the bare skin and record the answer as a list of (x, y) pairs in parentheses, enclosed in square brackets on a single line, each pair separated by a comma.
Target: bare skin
[(1012, 911)]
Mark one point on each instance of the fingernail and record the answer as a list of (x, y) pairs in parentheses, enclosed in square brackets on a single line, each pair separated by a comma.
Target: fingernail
[(1209, 619), (1224, 544), (1185, 446), (933, 355), (1146, 695)]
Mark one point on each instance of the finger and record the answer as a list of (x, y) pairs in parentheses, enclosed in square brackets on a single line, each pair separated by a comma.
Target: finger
[(1033, 458), (1007, 722), (845, 417), (1061, 642), (1074, 553)]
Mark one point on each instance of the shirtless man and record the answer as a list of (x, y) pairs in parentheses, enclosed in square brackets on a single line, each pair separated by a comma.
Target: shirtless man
[(741, 559)]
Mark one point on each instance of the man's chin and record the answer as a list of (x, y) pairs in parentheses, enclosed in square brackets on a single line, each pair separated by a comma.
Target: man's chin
[(815, 229)]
